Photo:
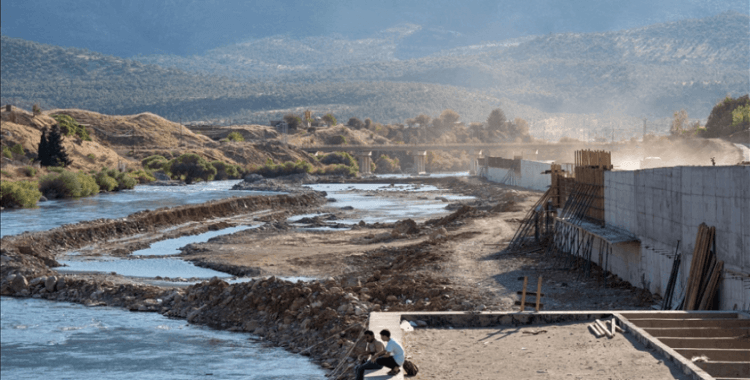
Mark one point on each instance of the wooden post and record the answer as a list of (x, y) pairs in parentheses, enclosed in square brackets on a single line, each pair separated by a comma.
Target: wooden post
[(523, 295), (538, 292)]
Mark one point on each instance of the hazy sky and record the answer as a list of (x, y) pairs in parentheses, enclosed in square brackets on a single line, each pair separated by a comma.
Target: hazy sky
[(129, 27)]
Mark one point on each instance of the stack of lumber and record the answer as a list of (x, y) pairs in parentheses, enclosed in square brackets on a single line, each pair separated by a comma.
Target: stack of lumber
[(705, 271)]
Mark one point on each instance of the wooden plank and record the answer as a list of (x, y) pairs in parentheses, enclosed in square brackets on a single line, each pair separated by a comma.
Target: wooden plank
[(523, 294), (712, 287), (595, 331), (538, 293), (604, 328), (518, 303), (533, 294)]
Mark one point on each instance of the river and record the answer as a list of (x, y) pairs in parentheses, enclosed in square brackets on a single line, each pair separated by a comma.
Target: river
[(62, 340)]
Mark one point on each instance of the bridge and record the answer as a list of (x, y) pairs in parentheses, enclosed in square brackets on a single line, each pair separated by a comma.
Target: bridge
[(419, 151)]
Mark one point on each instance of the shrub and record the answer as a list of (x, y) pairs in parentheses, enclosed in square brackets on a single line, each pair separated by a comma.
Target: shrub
[(329, 118), (17, 149), (337, 169), (56, 169), (192, 167), (70, 127), (35, 110), (91, 157), (270, 169), (155, 162), (235, 136), (123, 180), (68, 185), (105, 182), (386, 164), (337, 140), (225, 171), (339, 158), (30, 171), (5, 174), (7, 153), (19, 194), (143, 176)]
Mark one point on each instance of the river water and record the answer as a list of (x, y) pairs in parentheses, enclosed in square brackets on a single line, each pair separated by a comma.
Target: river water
[(62, 340)]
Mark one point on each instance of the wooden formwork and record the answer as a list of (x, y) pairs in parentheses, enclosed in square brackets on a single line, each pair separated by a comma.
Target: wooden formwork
[(590, 166)]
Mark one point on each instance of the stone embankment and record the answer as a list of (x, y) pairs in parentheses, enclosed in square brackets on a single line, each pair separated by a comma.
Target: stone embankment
[(32, 254)]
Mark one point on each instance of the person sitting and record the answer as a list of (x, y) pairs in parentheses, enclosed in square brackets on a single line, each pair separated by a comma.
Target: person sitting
[(373, 346), (392, 356)]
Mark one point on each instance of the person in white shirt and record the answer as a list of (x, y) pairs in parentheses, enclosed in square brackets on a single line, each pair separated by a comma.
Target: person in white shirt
[(392, 356)]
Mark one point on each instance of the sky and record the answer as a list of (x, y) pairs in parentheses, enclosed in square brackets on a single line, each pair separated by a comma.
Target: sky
[(184, 27)]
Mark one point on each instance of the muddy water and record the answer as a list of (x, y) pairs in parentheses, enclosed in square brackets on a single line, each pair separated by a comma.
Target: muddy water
[(60, 340), (56, 213)]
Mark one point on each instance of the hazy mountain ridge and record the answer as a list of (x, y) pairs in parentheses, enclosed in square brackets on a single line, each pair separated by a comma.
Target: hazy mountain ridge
[(75, 78)]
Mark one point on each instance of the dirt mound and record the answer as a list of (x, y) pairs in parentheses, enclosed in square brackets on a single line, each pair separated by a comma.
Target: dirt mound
[(144, 129), (337, 135), (85, 155), (252, 132)]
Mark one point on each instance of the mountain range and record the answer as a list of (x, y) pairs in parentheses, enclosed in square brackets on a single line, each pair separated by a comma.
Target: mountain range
[(648, 71)]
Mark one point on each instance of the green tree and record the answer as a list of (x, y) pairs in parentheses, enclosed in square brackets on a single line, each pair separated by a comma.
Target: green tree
[(293, 121), (496, 121), (329, 118), (679, 123), (193, 167), (355, 123), (51, 150)]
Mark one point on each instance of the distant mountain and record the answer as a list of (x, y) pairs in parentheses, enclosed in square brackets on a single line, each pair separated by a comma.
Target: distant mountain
[(128, 28), (75, 78)]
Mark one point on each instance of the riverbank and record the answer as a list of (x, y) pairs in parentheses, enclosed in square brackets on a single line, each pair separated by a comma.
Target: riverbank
[(445, 263)]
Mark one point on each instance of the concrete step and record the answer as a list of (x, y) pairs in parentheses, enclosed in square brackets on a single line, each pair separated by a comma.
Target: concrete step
[(667, 323), (698, 332), (726, 369), (715, 354), (680, 315), (700, 343)]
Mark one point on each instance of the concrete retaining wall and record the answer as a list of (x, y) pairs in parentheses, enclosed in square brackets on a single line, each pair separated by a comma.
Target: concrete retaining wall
[(530, 175), (664, 205)]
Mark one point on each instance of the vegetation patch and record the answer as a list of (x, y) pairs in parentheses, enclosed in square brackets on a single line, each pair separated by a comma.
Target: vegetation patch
[(226, 171), (19, 194), (68, 185), (235, 136), (70, 127), (191, 168)]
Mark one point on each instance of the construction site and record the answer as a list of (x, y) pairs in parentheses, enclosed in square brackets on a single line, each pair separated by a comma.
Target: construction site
[(681, 233)]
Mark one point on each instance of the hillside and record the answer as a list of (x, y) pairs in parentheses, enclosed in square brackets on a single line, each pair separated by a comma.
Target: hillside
[(74, 78)]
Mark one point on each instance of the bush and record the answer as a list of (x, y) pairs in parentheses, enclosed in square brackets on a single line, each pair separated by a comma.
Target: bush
[(225, 171), (30, 171), (105, 182), (17, 149), (91, 157), (7, 153), (142, 176), (235, 136), (270, 169), (340, 158), (19, 194), (155, 162), (56, 169), (329, 118), (337, 169), (70, 127), (68, 185), (192, 167), (124, 180), (386, 164)]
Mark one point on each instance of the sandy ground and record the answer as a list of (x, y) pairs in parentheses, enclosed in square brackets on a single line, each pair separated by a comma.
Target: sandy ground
[(564, 351)]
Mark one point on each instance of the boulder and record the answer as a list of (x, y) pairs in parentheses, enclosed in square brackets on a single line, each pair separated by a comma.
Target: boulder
[(50, 283), (406, 227)]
